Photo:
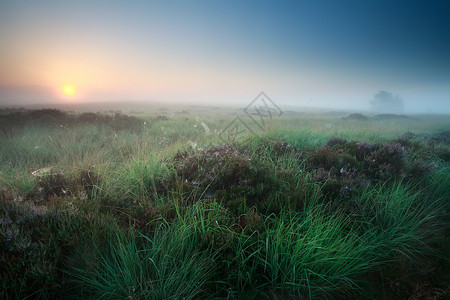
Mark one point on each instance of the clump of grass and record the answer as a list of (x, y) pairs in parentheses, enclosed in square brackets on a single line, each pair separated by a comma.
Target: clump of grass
[(138, 182), (403, 219), (165, 265), (314, 254)]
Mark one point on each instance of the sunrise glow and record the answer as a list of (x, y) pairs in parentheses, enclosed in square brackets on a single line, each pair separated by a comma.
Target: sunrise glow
[(303, 53), (68, 90)]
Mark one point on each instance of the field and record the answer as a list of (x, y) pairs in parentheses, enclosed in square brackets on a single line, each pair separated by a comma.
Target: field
[(194, 204)]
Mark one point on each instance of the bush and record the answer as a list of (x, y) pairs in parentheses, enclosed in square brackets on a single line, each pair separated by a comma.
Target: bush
[(225, 171)]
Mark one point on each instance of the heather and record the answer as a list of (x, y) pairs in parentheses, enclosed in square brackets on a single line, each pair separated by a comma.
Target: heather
[(160, 206)]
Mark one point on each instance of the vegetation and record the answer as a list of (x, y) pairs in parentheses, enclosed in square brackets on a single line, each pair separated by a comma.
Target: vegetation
[(158, 207), (386, 102)]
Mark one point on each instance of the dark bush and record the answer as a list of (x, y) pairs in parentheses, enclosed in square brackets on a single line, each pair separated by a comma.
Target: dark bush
[(55, 113), (335, 141), (52, 185), (390, 117), (344, 168), (355, 117), (329, 158), (439, 138), (13, 122), (388, 160), (406, 139), (24, 266), (360, 149), (419, 169), (444, 154), (225, 172)]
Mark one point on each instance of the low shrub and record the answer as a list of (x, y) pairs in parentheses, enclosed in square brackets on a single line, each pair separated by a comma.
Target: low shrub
[(226, 172)]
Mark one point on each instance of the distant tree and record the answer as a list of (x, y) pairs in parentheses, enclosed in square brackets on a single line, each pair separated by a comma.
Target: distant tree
[(386, 102)]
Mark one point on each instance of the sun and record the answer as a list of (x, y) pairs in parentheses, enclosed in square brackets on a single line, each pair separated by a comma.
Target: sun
[(68, 90)]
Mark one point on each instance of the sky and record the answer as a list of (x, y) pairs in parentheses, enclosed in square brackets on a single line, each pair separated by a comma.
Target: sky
[(332, 54)]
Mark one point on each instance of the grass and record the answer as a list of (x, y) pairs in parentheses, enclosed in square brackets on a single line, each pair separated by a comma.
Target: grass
[(167, 265), (313, 207)]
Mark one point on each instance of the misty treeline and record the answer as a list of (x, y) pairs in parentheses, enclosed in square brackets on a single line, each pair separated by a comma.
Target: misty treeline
[(384, 101), (13, 121)]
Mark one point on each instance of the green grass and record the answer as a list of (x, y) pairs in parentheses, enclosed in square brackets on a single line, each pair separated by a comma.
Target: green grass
[(116, 218), (166, 266)]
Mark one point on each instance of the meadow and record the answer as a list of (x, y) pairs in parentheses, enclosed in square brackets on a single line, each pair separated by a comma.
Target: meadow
[(168, 204)]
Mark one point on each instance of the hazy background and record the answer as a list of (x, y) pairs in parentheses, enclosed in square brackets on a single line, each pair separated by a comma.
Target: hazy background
[(334, 54)]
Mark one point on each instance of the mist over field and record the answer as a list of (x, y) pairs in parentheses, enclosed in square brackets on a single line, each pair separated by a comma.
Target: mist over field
[(224, 149), (326, 55)]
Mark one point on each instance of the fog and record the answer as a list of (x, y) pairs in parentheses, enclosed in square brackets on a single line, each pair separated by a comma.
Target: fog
[(305, 55), (431, 101)]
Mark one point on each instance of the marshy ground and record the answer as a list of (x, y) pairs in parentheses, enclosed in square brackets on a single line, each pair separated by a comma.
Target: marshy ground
[(164, 205)]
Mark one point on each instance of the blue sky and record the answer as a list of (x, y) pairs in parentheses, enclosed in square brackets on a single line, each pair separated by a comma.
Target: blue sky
[(324, 53)]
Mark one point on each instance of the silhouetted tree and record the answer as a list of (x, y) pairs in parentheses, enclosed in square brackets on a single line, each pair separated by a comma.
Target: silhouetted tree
[(386, 102)]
